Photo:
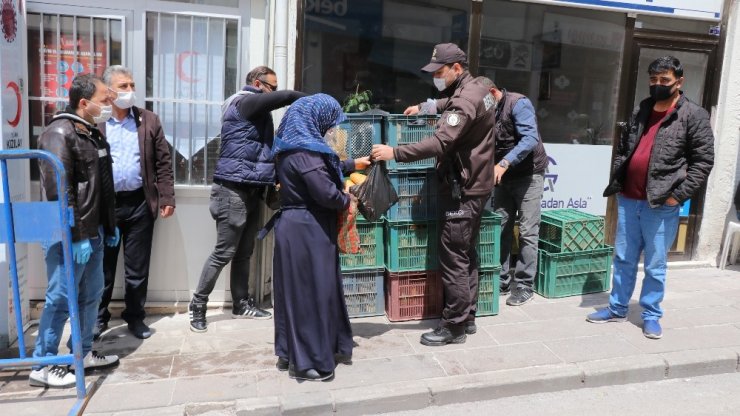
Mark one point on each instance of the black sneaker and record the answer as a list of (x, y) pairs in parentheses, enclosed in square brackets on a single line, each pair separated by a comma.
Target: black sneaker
[(520, 296), (248, 309), (139, 329), (504, 290), (198, 321), (470, 327), (443, 336)]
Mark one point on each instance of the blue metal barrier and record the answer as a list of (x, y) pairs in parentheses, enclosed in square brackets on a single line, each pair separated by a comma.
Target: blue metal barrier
[(26, 222)]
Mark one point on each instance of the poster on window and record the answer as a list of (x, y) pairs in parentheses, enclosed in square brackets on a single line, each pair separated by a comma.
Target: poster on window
[(13, 109), (506, 54), (188, 78), (70, 57)]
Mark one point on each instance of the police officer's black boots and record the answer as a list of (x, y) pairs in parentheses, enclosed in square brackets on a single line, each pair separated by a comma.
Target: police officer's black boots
[(454, 334)]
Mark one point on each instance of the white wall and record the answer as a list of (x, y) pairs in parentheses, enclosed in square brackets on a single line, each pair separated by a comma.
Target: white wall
[(726, 122)]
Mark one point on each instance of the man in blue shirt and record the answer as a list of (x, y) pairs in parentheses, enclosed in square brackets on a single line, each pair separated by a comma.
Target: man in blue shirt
[(144, 184), (518, 176)]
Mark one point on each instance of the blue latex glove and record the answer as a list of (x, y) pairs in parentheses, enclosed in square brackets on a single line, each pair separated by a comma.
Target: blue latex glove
[(81, 251), (112, 240)]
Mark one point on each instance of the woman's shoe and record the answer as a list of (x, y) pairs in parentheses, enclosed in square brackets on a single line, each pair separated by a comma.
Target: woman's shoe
[(310, 375)]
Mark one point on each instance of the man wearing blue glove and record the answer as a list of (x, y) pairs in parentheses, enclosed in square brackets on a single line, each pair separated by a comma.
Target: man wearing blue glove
[(74, 139)]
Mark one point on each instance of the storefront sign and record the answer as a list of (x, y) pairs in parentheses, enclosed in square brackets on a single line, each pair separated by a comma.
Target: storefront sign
[(13, 118), (704, 9), (576, 177)]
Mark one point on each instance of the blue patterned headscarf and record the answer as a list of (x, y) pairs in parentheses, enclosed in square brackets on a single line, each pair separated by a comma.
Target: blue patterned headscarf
[(304, 125)]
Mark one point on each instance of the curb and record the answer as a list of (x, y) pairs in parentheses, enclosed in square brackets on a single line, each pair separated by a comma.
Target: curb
[(417, 395)]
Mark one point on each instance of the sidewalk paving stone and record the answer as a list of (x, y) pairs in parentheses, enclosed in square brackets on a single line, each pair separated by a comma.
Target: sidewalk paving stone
[(545, 345)]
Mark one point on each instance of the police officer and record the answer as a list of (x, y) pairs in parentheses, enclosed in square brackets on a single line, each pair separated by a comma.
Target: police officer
[(463, 146)]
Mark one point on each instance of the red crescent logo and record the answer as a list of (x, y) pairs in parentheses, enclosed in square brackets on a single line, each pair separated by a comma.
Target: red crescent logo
[(180, 71), (13, 86)]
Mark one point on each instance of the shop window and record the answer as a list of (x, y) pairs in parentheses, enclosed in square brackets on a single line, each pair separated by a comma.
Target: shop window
[(191, 68), (378, 45), (60, 47), (566, 60)]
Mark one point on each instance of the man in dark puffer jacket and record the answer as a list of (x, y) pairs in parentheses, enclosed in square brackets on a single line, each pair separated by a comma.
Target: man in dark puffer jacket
[(243, 169), (664, 158)]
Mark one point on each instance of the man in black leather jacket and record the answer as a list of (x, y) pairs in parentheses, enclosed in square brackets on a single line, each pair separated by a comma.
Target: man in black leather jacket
[(73, 138), (663, 158)]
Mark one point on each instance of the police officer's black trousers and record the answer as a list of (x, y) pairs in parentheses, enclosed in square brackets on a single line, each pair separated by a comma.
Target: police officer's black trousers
[(458, 258)]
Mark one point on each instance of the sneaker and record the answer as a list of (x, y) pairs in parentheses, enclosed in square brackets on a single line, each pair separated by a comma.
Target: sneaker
[(470, 327), (95, 360), (504, 290), (651, 329), (56, 376), (198, 321), (100, 327), (520, 296), (248, 309), (603, 316), (443, 336)]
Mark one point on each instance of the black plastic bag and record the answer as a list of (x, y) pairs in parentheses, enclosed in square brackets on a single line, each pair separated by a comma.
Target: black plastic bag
[(376, 195)]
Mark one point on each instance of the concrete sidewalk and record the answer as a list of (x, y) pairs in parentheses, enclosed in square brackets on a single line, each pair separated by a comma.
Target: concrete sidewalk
[(545, 345)]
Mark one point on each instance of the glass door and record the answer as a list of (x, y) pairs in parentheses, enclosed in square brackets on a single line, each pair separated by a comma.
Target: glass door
[(697, 55), (62, 43)]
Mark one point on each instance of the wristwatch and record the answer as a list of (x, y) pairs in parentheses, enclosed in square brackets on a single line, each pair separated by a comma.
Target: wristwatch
[(504, 163)]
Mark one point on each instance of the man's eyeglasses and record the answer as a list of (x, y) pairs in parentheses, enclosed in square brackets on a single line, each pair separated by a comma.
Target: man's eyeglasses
[(270, 86)]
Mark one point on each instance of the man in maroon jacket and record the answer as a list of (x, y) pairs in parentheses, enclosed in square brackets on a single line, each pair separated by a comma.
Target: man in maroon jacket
[(143, 180)]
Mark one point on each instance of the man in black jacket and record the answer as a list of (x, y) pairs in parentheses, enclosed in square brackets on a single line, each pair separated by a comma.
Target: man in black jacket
[(664, 158), (73, 138)]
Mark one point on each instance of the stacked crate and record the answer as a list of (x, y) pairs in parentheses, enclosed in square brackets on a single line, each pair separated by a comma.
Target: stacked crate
[(489, 262), (573, 259), (413, 286), (362, 273)]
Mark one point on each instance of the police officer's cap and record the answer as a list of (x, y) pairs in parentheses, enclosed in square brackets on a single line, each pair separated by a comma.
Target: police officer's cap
[(445, 53)]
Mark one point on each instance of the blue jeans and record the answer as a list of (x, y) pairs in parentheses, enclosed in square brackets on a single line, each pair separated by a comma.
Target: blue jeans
[(90, 281), (642, 229)]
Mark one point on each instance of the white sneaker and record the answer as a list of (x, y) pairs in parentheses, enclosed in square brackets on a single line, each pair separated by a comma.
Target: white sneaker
[(55, 376), (95, 360)]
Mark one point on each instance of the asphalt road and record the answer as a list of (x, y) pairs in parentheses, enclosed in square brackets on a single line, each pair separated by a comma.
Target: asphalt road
[(708, 395)]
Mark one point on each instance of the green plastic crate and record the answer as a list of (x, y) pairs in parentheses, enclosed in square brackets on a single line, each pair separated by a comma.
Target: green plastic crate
[(410, 246), (402, 130), (570, 230), (576, 273), (489, 240), (488, 291), (363, 292), (371, 248)]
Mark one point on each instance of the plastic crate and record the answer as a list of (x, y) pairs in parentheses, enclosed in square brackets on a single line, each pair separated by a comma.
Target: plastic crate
[(576, 273), (413, 295), (417, 196), (489, 240), (371, 248), (488, 291), (410, 246), (361, 132), (402, 130), (363, 292), (570, 230)]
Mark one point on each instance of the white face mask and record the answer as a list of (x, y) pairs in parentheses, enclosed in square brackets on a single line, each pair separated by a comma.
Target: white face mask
[(440, 83), (105, 113), (126, 99)]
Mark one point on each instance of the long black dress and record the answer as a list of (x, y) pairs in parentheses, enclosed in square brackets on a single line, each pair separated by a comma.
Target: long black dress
[(311, 320)]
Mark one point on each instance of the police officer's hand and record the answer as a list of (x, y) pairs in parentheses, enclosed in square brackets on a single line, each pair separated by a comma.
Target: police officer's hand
[(411, 111), (382, 152), (498, 172)]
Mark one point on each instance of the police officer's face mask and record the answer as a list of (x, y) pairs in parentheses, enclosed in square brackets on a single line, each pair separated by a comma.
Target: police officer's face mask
[(441, 82)]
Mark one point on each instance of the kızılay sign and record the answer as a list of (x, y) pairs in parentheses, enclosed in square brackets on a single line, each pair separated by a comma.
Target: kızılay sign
[(704, 9)]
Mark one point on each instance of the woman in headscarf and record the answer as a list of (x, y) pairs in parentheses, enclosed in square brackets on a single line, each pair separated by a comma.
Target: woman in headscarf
[(311, 320)]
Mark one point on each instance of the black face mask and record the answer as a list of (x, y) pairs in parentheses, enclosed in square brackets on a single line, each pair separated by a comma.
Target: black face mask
[(661, 92)]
